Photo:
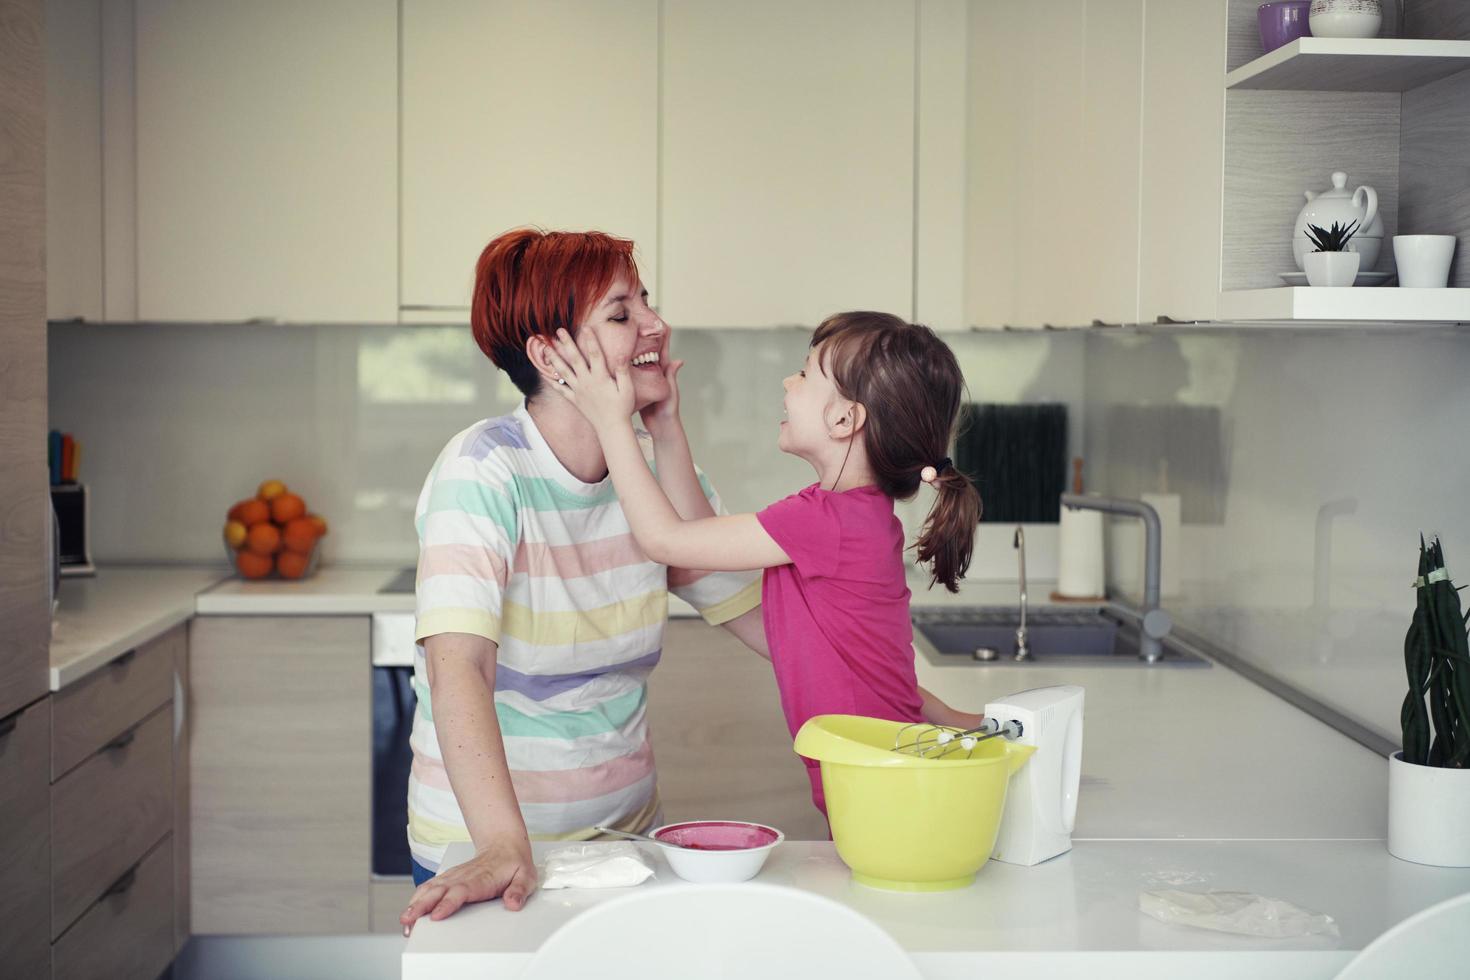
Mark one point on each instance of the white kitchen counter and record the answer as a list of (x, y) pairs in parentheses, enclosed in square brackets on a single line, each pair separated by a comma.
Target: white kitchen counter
[(1076, 915), (1197, 753), (335, 590), (120, 607)]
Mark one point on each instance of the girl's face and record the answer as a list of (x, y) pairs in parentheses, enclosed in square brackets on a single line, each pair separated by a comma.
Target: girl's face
[(631, 333), (814, 412)]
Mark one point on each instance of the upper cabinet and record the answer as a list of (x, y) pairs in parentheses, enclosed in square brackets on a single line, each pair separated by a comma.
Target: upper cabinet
[(787, 164), (73, 159), (1054, 120), (267, 146), (1183, 129), (524, 113)]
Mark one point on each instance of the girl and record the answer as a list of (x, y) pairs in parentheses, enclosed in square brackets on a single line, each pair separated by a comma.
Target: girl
[(871, 410)]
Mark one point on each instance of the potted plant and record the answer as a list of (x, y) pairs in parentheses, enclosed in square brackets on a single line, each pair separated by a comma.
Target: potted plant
[(1330, 263), (1429, 779)]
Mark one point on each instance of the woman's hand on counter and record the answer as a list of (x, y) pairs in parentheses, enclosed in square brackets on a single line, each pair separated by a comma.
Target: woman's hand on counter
[(503, 870)]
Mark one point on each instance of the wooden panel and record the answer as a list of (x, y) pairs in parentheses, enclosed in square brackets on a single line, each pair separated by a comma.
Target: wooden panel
[(389, 899), (127, 935), (787, 162), (106, 814), (1183, 105), (25, 841), (495, 138), (1434, 183), (939, 223), (24, 499), (98, 708), (1280, 144), (1447, 19), (280, 774), (267, 143), (712, 698), (181, 836), (73, 159), (119, 164)]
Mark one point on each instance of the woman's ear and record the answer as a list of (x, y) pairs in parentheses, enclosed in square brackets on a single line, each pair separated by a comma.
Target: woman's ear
[(537, 352)]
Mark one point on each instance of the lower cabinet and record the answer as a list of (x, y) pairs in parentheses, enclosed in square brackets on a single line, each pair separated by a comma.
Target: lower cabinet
[(280, 770), (112, 749), (25, 841), (719, 737)]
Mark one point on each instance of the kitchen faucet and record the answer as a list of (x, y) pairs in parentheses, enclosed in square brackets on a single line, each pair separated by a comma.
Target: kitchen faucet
[(1023, 649), (1155, 623)]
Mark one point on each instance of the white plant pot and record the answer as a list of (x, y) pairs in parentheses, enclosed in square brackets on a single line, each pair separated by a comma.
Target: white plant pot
[(1428, 813), (1331, 268)]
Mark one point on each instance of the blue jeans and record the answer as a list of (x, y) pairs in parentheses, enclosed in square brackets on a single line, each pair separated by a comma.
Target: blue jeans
[(421, 874)]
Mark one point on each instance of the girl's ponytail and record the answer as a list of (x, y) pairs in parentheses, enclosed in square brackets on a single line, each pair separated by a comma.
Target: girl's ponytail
[(948, 536)]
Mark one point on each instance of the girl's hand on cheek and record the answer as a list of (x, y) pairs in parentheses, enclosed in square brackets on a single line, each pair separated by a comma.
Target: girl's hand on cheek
[(666, 411), (604, 396)]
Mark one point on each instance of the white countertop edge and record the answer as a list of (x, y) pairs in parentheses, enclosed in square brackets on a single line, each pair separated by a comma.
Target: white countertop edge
[(65, 674)]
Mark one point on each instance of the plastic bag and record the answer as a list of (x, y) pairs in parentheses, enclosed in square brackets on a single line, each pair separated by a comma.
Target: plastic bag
[(600, 865), (1238, 912)]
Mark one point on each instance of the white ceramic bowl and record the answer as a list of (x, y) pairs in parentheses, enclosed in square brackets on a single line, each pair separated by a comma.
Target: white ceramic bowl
[(717, 851)]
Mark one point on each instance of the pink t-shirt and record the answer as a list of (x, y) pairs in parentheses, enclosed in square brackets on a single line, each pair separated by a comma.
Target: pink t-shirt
[(837, 617)]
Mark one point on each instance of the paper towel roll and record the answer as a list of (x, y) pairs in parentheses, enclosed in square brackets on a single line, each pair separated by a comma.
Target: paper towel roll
[(1080, 558), (1167, 504)]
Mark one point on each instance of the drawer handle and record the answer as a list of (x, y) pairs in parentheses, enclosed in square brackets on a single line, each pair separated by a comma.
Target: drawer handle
[(8, 723), (122, 741), (120, 887), (123, 659)]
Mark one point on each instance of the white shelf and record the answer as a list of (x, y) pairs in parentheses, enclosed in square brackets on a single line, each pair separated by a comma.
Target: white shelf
[(1329, 64), (1349, 304)]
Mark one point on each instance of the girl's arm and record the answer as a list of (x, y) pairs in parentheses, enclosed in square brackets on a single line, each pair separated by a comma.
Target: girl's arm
[(671, 455), (936, 712), (606, 399)]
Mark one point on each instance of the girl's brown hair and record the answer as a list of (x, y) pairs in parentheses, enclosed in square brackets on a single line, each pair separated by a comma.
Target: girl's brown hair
[(910, 386)]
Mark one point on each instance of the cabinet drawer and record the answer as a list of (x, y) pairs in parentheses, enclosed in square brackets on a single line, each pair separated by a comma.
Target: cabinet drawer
[(107, 813), (98, 708), (25, 931), (128, 933)]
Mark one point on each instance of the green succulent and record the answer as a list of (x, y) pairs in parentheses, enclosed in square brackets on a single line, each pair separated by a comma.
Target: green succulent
[(1335, 240), (1437, 660)]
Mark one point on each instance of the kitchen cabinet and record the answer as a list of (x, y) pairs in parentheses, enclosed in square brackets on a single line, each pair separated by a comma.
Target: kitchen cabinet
[(522, 113), (24, 500), (1052, 228), (25, 841), (74, 159), (1183, 125), (280, 774), (787, 160), (267, 145), (719, 737)]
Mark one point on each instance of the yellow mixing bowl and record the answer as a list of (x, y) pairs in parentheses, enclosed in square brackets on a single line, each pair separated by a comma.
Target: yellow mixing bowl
[(904, 822)]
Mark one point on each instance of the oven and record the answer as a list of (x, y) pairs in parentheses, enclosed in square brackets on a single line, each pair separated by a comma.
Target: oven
[(394, 704)]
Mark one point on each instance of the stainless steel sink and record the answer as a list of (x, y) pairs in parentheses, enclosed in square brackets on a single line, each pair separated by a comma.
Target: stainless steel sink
[(1076, 637)]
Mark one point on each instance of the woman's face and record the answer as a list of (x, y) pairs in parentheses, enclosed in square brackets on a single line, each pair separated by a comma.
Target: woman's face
[(631, 333)]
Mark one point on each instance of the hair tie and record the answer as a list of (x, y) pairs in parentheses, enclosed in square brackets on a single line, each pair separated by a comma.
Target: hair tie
[(931, 473)]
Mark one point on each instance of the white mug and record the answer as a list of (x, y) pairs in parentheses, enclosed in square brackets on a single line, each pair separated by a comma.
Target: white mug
[(1423, 260)]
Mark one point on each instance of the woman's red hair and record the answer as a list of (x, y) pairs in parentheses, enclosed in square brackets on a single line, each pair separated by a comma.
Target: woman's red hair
[(529, 283)]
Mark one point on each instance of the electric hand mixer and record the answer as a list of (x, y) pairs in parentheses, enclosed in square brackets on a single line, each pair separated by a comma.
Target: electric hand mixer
[(1041, 800)]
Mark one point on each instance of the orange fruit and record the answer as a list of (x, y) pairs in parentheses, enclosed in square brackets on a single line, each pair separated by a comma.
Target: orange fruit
[(286, 507), (291, 564), (299, 535), (263, 539), (253, 512), (270, 490), (237, 510), (321, 525), (251, 565), (235, 534)]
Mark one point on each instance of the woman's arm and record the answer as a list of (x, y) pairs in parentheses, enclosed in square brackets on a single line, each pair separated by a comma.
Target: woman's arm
[(461, 683)]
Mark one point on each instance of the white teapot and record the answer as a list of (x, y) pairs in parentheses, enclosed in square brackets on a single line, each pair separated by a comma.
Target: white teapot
[(1344, 207)]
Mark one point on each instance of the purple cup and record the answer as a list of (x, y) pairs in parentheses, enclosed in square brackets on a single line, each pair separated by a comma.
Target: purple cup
[(1283, 22)]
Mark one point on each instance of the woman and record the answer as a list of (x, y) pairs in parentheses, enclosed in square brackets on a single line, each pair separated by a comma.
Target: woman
[(539, 619)]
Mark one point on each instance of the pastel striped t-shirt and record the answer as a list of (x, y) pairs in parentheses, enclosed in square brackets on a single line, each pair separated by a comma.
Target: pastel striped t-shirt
[(514, 548)]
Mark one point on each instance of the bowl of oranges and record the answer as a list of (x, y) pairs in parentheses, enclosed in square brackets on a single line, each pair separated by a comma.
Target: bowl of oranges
[(272, 533)]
